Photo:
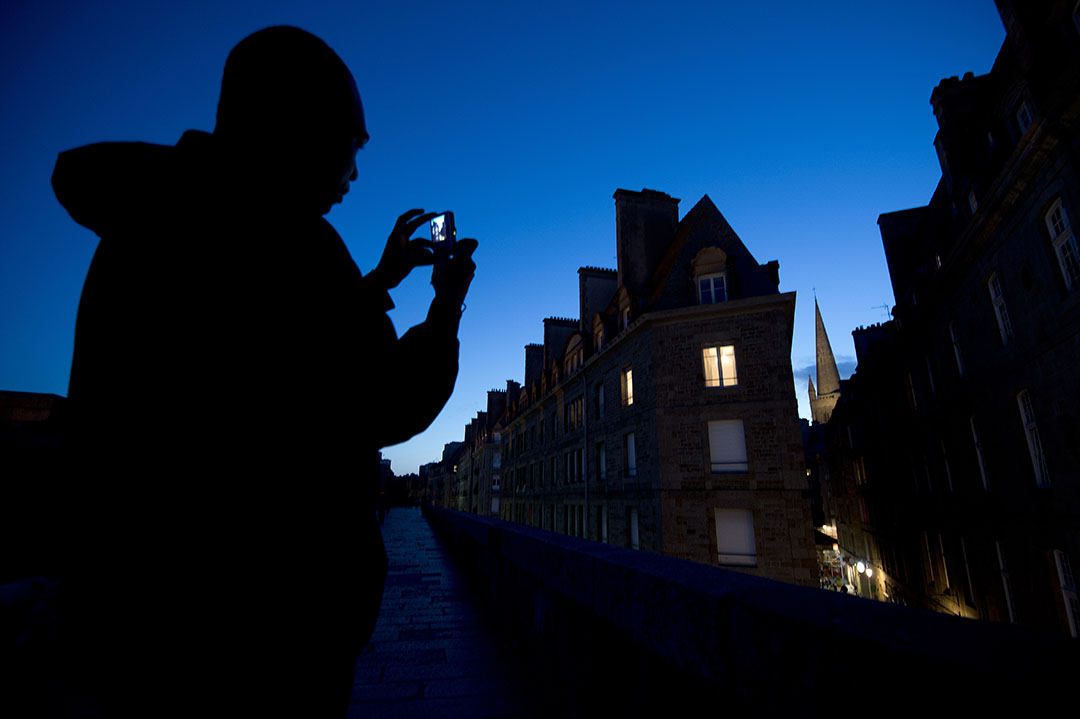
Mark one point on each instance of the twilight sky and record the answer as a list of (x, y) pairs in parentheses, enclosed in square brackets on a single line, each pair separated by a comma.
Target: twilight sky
[(802, 121)]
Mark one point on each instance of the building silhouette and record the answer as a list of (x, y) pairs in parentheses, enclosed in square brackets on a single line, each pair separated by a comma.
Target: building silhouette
[(663, 417), (954, 451)]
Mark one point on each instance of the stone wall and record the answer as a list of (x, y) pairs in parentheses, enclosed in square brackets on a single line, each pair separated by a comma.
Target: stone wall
[(617, 631)]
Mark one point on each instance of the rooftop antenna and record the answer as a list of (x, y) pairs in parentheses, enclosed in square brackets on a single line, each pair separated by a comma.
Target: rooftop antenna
[(885, 308)]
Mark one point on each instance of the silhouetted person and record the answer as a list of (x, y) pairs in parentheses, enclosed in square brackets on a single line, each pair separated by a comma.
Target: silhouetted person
[(234, 375)]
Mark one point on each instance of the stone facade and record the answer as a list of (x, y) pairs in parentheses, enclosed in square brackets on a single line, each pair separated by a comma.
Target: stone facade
[(955, 452), (617, 436)]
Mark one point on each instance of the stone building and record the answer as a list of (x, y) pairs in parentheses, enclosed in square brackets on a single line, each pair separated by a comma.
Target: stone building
[(664, 417), (956, 445)]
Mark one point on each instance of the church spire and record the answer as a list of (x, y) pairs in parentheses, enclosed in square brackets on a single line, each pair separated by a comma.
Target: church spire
[(824, 399), (828, 376)]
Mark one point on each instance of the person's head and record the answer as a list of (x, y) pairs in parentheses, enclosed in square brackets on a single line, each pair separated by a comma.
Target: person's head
[(289, 106)]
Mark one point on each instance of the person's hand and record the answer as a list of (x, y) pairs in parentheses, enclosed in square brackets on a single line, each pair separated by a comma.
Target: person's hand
[(402, 254), (452, 275)]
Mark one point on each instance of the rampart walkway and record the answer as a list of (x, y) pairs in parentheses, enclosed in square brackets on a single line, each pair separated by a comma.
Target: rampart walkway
[(432, 653)]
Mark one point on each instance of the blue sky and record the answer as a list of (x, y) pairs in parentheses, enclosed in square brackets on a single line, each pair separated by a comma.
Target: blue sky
[(802, 121)]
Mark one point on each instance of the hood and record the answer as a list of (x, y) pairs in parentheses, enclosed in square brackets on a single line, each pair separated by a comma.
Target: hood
[(111, 186)]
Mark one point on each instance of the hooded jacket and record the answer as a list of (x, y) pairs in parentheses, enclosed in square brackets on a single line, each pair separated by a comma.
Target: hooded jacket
[(233, 377)]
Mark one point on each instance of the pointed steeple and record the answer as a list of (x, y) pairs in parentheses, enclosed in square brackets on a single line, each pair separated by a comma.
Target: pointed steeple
[(828, 376), (824, 399), (813, 394)]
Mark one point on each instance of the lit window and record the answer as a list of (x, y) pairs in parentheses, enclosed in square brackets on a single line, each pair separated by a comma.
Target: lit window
[(630, 458), (720, 366), (996, 296), (1065, 247), (712, 289), (1038, 459), (727, 446), (627, 387), (1023, 117), (1068, 591), (735, 537)]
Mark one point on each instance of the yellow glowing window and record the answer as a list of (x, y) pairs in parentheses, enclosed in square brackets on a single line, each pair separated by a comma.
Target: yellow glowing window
[(628, 386), (720, 366)]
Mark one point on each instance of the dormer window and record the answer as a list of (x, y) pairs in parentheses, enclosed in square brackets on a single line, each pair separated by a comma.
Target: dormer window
[(1023, 118), (712, 289)]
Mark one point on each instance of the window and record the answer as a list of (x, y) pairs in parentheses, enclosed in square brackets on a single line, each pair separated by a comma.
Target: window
[(720, 366), (945, 463), (712, 289), (627, 387), (632, 537), (956, 348), (1038, 459), (496, 460), (1065, 247), (601, 462), (735, 537), (600, 400), (727, 446), (996, 296), (1068, 591), (574, 413), (630, 458), (603, 523), (1023, 117), (1006, 585), (979, 455)]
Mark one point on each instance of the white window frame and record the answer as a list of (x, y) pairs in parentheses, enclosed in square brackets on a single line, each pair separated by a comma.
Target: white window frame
[(727, 446), (956, 348), (979, 455), (1068, 591), (711, 281), (997, 298), (735, 541), (1065, 246), (1023, 117), (1006, 583), (720, 366), (1031, 432), (628, 386), (630, 450)]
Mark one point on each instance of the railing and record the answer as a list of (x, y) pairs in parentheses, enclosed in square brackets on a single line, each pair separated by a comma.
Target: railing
[(612, 629)]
